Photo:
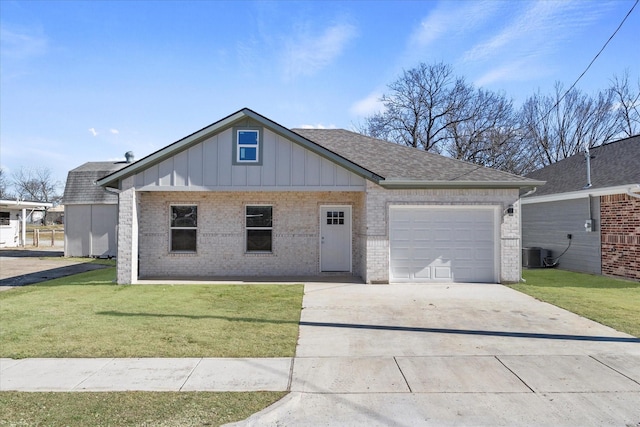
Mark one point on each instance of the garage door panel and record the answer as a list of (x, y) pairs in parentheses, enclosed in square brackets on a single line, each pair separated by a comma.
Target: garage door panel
[(442, 245), (442, 273)]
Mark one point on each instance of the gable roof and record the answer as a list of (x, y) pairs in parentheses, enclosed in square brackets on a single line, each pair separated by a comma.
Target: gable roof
[(614, 164), (382, 162), (81, 188)]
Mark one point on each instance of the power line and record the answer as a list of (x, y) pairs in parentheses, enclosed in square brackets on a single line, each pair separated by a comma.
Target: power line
[(545, 115), (592, 61)]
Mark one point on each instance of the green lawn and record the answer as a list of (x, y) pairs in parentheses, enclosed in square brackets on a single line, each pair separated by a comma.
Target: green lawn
[(612, 302), (130, 408), (87, 315)]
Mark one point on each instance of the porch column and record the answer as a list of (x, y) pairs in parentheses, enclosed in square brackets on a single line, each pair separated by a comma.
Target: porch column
[(23, 229), (127, 261)]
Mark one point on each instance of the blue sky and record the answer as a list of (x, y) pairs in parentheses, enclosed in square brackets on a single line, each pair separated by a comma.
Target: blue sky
[(90, 80)]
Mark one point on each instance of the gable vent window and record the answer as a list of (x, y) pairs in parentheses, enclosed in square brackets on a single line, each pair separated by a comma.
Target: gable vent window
[(259, 228), (184, 228), (247, 146)]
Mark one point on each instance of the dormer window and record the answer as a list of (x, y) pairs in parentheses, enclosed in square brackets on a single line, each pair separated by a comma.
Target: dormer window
[(247, 146)]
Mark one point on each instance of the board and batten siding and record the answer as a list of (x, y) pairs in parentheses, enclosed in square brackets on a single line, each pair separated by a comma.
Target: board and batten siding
[(285, 166), (547, 224)]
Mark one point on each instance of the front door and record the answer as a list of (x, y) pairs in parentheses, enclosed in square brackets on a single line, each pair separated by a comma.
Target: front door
[(335, 238)]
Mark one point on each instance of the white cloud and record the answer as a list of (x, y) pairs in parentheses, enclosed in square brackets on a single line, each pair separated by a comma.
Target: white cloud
[(451, 19), (306, 54), (368, 106), (533, 33), (114, 131), (21, 44), (93, 131), (317, 126), (518, 70)]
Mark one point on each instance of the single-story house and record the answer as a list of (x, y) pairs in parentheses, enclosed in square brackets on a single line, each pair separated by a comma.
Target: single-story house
[(90, 211), (246, 196), (13, 220), (590, 208)]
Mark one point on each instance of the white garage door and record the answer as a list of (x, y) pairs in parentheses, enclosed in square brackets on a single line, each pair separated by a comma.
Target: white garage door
[(452, 244)]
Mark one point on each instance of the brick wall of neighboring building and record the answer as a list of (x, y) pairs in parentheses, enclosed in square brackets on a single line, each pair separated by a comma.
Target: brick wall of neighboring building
[(620, 233)]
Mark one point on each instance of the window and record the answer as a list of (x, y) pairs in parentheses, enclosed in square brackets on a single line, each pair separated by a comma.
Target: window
[(335, 218), (259, 228), (184, 226), (5, 218), (247, 146)]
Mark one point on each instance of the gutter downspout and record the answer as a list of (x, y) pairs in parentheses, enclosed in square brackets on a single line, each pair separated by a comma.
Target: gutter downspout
[(117, 192), (528, 193)]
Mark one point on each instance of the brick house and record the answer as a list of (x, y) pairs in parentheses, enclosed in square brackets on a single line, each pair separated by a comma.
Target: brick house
[(246, 196), (603, 219)]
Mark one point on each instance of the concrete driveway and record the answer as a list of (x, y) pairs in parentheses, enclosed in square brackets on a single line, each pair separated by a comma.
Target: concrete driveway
[(477, 355)]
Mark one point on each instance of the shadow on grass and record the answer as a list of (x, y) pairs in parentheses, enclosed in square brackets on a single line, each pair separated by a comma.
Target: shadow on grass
[(472, 332), (53, 273)]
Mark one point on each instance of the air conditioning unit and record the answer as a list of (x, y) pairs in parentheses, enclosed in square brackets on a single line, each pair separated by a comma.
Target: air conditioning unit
[(532, 258)]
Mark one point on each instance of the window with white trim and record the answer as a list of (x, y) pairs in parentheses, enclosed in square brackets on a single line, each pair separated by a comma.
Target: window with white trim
[(259, 228), (247, 146), (184, 228)]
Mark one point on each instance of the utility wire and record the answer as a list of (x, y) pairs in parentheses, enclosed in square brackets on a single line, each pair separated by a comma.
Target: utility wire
[(545, 115)]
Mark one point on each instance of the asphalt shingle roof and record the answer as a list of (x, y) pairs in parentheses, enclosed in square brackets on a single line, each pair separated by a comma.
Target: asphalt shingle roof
[(399, 162), (613, 164), (80, 188)]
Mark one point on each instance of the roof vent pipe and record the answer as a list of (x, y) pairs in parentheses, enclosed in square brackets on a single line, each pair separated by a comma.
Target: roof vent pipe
[(129, 156), (588, 157)]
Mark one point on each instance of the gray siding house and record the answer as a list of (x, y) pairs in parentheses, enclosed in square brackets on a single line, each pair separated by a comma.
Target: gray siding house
[(90, 212), (246, 196), (603, 219)]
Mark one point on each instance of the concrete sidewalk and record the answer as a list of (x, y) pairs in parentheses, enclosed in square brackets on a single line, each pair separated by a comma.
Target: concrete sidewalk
[(145, 374)]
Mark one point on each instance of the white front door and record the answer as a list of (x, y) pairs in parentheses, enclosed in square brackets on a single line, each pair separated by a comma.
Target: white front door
[(335, 238)]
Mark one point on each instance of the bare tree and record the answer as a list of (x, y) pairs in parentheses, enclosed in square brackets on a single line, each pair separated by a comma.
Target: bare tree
[(37, 185), (627, 103), (421, 105), (5, 193), (488, 135), (561, 125)]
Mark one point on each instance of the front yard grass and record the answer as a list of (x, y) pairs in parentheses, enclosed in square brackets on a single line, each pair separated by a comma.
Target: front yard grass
[(612, 302), (87, 315), (164, 409)]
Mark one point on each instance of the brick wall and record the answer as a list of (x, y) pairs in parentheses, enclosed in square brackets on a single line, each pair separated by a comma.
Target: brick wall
[(221, 228), (620, 234)]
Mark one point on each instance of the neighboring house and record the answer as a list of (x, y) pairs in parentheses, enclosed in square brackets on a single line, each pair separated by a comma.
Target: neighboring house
[(246, 196), (90, 211), (603, 219), (14, 215), (55, 215)]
